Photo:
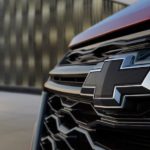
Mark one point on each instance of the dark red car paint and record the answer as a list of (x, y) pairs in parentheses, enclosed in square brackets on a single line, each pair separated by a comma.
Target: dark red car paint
[(129, 17)]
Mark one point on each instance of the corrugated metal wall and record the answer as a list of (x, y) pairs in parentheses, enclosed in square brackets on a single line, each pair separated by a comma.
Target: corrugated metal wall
[(34, 35)]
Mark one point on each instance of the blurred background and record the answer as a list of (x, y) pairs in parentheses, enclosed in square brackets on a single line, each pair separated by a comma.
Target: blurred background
[(34, 35)]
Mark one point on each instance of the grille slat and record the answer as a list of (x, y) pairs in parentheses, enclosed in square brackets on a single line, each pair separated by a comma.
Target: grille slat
[(74, 80)]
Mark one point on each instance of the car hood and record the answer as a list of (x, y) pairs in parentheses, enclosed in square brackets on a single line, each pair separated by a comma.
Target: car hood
[(130, 16)]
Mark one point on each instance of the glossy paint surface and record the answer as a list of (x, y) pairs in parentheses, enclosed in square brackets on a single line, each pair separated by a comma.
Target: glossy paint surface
[(132, 15)]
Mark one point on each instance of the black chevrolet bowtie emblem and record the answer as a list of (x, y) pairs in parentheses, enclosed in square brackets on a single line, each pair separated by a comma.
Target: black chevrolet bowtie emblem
[(113, 82)]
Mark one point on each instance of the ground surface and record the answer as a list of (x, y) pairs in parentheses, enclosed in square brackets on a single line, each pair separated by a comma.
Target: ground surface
[(18, 113)]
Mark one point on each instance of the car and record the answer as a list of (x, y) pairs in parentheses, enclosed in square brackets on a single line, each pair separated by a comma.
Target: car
[(98, 96)]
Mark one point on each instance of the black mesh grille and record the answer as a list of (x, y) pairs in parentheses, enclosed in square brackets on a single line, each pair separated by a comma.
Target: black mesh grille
[(72, 124)]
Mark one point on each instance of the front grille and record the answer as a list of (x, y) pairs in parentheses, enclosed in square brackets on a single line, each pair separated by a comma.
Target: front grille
[(71, 120), (72, 124)]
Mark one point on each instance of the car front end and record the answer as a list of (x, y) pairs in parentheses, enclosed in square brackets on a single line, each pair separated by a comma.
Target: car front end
[(97, 97)]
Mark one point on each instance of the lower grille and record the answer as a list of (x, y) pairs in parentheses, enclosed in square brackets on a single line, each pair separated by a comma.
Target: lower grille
[(71, 124)]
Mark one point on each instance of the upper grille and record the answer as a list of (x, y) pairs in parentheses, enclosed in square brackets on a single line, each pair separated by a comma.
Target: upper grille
[(75, 81), (100, 53)]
